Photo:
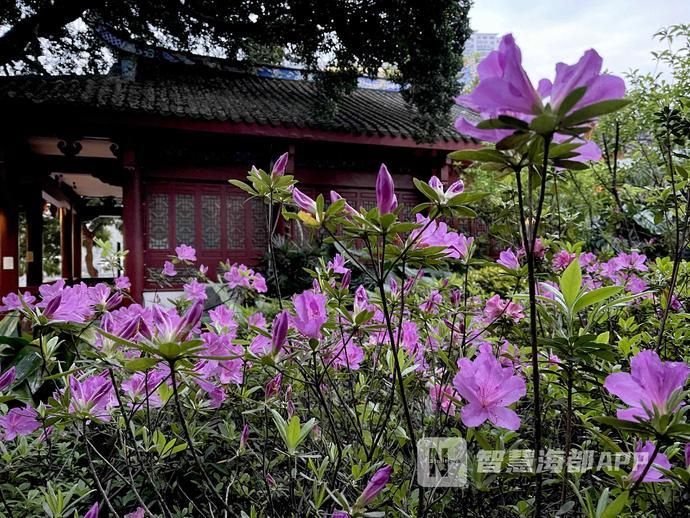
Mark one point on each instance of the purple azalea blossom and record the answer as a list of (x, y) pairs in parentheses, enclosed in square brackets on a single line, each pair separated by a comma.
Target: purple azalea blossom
[(455, 188), (311, 313), (13, 301), (93, 396), (489, 388), (561, 260), (338, 264), (169, 269), (436, 233), (508, 259), (19, 422), (195, 291), (650, 383), (505, 89), (349, 357), (186, 253), (145, 384), (443, 398), (497, 308), (385, 191), (123, 283), (643, 456)]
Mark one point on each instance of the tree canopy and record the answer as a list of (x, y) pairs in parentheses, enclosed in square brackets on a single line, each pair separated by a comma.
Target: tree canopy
[(419, 43)]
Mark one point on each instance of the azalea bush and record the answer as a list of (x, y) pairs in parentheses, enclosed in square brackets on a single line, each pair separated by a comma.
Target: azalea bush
[(563, 374)]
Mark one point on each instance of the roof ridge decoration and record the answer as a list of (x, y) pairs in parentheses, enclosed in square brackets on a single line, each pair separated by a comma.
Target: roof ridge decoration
[(127, 46)]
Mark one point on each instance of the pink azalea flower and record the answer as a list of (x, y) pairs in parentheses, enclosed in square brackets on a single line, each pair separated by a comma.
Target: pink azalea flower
[(561, 260), (650, 383), (92, 397), (442, 399), (350, 356), (508, 259), (216, 393), (431, 304), (66, 303), (455, 188), (497, 308), (386, 200), (643, 456), (311, 313), (539, 249), (142, 385), (488, 388), (223, 318), (169, 269), (259, 283), (631, 262), (13, 301), (122, 283), (435, 233), (505, 89), (260, 345), (338, 264), (186, 253), (195, 291), (19, 422), (257, 320)]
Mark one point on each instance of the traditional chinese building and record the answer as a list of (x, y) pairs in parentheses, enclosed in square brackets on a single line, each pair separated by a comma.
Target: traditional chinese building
[(157, 139)]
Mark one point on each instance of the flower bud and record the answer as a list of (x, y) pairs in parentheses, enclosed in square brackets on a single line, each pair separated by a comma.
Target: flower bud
[(280, 165), (385, 191), (303, 201), (280, 329)]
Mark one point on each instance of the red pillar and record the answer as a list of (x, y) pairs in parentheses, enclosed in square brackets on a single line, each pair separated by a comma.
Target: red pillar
[(66, 242), (133, 224), (34, 235), (9, 233)]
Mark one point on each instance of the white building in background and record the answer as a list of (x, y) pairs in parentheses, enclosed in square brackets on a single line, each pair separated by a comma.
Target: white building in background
[(480, 44), (477, 47)]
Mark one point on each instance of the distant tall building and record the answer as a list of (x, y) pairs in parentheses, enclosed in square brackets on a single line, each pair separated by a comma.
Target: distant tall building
[(481, 43), (477, 47)]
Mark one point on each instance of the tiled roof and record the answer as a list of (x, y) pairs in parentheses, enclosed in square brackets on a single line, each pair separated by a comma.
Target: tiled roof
[(235, 98)]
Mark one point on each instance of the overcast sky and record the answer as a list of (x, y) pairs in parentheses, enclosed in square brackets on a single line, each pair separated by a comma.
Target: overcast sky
[(549, 31)]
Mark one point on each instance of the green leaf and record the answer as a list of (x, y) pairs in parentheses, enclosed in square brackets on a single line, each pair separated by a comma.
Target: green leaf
[(571, 100), (141, 364), (593, 111), (570, 282), (594, 296), (478, 155), (513, 141), (616, 507), (543, 124)]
